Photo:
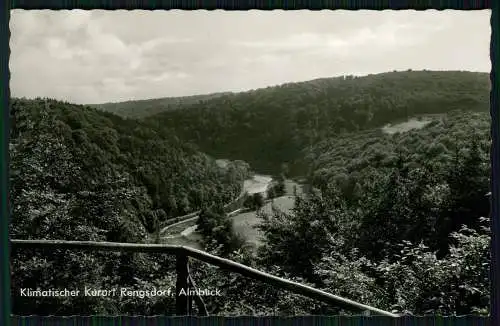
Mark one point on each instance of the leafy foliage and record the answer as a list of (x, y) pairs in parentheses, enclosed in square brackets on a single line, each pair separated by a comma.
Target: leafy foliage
[(404, 233), (217, 230), (255, 201), (278, 189), (271, 126)]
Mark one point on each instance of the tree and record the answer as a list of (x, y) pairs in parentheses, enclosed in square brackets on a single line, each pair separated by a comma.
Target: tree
[(397, 209), (468, 183), (277, 189), (208, 219), (271, 193), (255, 201), (217, 230), (457, 283), (258, 200), (297, 241)]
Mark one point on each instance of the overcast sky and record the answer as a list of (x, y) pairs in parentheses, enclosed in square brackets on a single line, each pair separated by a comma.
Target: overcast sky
[(107, 56)]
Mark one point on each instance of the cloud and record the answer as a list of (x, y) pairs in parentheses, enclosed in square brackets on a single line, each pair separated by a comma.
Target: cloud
[(101, 56), (378, 40), (45, 51)]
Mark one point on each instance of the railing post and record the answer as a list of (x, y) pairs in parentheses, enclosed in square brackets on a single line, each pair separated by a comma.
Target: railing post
[(182, 286), (184, 279)]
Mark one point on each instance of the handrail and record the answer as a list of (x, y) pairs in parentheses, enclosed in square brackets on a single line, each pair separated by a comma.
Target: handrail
[(189, 220), (171, 222), (183, 252), (186, 218), (179, 219)]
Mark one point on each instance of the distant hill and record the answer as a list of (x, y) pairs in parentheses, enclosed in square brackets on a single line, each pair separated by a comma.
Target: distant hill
[(270, 127), (143, 108), (349, 160)]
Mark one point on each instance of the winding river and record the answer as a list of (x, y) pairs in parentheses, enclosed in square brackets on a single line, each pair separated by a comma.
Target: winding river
[(259, 183)]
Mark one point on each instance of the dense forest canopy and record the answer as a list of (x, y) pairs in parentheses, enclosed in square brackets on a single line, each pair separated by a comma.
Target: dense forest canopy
[(80, 148), (397, 220), (269, 127)]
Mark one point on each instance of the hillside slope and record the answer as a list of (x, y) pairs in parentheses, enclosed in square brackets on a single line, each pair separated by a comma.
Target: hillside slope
[(144, 108), (76, 155), (270, 127), (351, 160)]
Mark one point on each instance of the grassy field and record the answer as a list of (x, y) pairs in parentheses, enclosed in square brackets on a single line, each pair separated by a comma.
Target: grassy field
[(414, 123), (244, 223)]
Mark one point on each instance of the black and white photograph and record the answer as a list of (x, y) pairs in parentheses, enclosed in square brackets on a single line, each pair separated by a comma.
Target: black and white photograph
[(312, 162)]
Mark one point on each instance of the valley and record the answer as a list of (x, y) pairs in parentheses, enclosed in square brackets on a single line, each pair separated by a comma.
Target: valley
[(244, 223), (388, 170)]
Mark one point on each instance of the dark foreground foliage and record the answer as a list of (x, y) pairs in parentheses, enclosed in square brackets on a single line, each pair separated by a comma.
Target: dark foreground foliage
[(80, 174)]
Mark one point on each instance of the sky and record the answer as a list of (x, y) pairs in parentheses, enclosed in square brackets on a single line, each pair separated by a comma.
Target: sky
[(90, 57)]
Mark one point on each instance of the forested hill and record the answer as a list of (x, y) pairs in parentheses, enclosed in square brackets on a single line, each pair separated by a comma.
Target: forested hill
[(81, 174), (269, 127), (144, 108)]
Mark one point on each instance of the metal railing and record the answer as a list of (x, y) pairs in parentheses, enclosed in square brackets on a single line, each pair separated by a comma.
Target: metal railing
[(184, 280)]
